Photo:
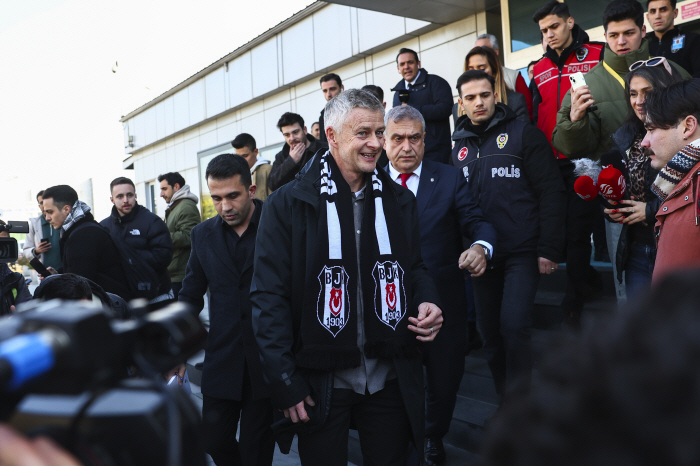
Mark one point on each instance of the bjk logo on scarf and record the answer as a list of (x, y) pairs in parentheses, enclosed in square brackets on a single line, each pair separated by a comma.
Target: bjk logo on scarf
[(389, 293), (333, 303)]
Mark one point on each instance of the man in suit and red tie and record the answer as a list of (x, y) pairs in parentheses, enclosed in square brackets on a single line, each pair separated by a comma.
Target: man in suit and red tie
[(446, 214)]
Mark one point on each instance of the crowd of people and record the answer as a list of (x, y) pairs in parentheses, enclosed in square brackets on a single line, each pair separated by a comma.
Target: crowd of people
[(309, 337)]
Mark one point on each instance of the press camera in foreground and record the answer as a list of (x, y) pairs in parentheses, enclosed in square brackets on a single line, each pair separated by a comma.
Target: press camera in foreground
[(63, 373), (9, 251)]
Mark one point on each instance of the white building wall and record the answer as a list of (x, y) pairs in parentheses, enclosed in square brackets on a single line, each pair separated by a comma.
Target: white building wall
[(331, 35)]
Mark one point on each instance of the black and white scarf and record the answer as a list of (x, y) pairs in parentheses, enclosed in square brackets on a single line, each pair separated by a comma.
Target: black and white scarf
[(77, 212), (329, 314), (676, 169)]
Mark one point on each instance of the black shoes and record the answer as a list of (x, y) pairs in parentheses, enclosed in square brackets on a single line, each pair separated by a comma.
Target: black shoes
[(434, 452)]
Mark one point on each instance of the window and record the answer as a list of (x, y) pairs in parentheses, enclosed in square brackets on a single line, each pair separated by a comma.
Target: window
[(524, 32)]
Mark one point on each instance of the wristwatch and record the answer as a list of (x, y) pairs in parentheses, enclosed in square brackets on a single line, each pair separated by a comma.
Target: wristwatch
[(487, 253)]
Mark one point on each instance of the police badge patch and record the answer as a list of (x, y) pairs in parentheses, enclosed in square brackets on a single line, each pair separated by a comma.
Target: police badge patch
[(389, 293), (333, 307), (502, 140), (581, 53)]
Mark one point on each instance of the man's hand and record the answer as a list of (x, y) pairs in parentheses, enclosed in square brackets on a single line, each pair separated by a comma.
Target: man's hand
[(298, 412), (474, 260), (42, 248), (581, 99), (51, 270), (297, 151), (428, 323), (179, 371), (547, 266), (18, 450)]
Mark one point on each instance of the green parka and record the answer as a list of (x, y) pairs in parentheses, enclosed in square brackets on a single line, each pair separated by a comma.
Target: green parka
[(591, 136), (181, 217)]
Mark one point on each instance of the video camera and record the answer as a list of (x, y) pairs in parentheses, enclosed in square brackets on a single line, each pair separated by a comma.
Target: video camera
[(9, 252), (63, 373)]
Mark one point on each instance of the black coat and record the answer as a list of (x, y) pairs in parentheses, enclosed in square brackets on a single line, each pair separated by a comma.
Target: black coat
[(285, 244), (516, 102), (148, 234), (687, 57), (511, 171), (87, 250), (231, 344), (284, 168), (432, 97)]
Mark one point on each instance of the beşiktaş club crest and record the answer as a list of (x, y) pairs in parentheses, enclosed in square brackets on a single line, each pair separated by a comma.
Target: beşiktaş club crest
[(333, 307), (462, 154), (581, 53), (502, 140), (389, 293)]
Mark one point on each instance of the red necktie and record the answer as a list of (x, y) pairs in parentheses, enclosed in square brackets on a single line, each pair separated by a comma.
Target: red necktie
[(404, 178)]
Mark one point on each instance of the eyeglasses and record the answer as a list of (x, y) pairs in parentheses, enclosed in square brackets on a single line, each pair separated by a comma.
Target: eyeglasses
[(655, 61)]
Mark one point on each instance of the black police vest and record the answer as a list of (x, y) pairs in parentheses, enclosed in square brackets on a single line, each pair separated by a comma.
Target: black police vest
[(493, 166)]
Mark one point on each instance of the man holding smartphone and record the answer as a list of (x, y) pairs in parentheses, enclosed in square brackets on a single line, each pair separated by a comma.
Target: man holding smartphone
[(42, 241)]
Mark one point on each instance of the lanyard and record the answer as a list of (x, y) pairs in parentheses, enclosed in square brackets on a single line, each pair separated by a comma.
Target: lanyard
[(614, 75)]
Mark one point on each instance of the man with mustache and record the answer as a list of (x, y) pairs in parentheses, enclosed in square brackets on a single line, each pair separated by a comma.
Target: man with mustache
[(298, 149)]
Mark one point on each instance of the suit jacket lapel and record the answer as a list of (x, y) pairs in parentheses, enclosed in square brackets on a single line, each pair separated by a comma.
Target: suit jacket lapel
[(426, 185), (217, 243)]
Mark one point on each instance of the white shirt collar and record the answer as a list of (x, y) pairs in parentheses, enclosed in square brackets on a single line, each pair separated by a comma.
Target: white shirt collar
[(395, 173), (414, 80)]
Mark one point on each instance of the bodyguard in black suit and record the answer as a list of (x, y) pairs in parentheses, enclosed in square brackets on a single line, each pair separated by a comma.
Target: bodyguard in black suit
[(446, 214), (233, 387)]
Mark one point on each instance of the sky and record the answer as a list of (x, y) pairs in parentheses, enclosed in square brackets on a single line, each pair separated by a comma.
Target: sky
[(60, 101)]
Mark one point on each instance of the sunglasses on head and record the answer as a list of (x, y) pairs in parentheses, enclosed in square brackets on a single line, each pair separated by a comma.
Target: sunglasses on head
[(655, 61)]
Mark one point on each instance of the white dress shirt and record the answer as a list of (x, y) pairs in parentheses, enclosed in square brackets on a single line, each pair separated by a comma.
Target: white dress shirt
[(412, 184), (414, 81)]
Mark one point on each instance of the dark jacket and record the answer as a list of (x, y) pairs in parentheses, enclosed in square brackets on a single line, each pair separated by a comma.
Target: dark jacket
[(285, 245), (622, 142), (432, 97), (231, 344), (13, 291), (148, 234), (518, 184), (88, 250), (284, 169), (322, 127), (551, 77), (447, 213), (688, 56), (516, 102)]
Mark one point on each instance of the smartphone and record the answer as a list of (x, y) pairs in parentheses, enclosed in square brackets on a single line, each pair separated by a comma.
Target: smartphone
[(39, 267), (577, 80), (45, 240)]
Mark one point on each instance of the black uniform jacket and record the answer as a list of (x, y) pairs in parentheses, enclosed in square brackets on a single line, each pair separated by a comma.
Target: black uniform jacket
[(511, 171), (285, 244), (231, 344)]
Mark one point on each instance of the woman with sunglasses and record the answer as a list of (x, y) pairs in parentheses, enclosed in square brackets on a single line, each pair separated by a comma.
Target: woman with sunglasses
[(485, 59), (636, 250)]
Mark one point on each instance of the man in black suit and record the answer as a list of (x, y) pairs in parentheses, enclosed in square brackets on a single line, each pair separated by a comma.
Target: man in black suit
[(446, 214), (222, 260)]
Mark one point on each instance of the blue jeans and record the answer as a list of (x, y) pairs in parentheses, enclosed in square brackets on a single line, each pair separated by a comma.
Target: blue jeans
[(638, 269), (504, 296)]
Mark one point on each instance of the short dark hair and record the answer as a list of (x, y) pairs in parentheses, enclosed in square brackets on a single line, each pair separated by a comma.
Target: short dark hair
[(331, 77), (405, 50), (288, 119), (666, 107), (244, 140), (673, 3), (533, 62), (376, 90), (315, 123), (121, 180), (172, 179), (226, 166), (62, 195), (39, 194), (474, 75), (552, 8), (620, 10), (65, 286)]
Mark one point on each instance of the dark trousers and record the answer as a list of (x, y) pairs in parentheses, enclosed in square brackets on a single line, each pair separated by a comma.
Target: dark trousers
[(220, 423), (177, 286), (504, 297), (380, 420), (444, 368), (638, 269), (582, 279)]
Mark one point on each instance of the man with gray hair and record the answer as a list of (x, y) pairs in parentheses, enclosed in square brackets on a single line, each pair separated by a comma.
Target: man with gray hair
[(342, 300), (447, 214), (514, 80)]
